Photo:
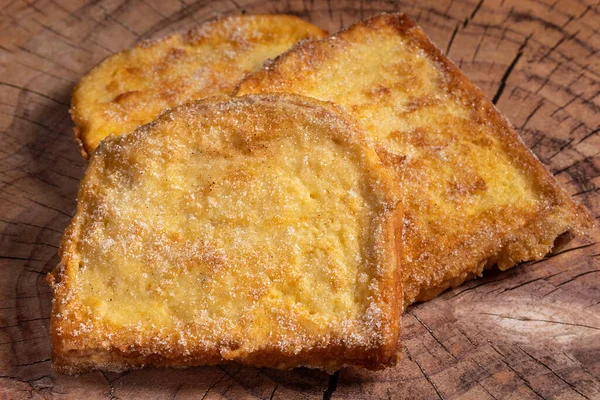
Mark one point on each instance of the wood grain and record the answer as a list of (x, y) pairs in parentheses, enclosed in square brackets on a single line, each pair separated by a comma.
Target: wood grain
[(532, 332)]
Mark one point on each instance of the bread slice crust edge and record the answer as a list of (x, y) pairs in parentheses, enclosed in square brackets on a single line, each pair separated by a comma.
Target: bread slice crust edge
[(73, 354)]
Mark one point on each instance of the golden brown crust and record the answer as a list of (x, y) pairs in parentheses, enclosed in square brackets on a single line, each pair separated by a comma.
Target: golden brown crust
[(474, 195), (132, 87), (108, 314)]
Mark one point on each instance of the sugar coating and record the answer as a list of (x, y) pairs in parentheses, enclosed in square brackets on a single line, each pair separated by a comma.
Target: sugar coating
[(134, 86), (473, 195), (235, 226)]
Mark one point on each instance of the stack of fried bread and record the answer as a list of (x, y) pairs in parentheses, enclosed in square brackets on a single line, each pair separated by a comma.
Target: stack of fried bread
[(288, 221)]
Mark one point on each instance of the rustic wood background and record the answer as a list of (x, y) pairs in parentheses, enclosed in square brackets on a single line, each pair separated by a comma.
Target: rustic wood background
[(532, 332)]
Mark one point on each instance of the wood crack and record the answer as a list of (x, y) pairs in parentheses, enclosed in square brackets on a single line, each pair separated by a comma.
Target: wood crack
[(559, 109), (487, 391), (177, 391), (25, 340), (473, 13), (593, 132), (509, 71), (26, 50), (232, 377), (150, 6), (38, 226), (475, 287), (547, 77), (577, 276), (109, 17), (46, 73), (228, 387), (476, 9), (111, 387), (592, 190), (561, 148), (467, 337), (562, 39), (24, 320), (432, 335), (34, 123), (273, 392), (526, 319), (521, 285), (237, 6), (584, 246), (63, 39), (554, 373), (34, 92), (582, 367), (3, 257), (521, 377), (36, 272), (532, 113), (33, 363), (481, 38), (36, 243), (451, 39), (213, 385), (331, 385), (427, 377)]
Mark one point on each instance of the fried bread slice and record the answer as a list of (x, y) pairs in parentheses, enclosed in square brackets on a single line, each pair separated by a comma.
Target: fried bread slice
[(474, 196), (132, 87), (260, 229)]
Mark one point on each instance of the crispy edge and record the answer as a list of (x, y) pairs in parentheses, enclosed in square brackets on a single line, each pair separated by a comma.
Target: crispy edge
[(76, 361), (193, 35), (72, 361), (456, 82)]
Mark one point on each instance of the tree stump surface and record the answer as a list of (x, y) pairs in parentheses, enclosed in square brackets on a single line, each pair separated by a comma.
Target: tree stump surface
[(531, 332)]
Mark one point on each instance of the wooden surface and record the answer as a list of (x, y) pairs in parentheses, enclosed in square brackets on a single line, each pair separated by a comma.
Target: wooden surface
[(532, 332)]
